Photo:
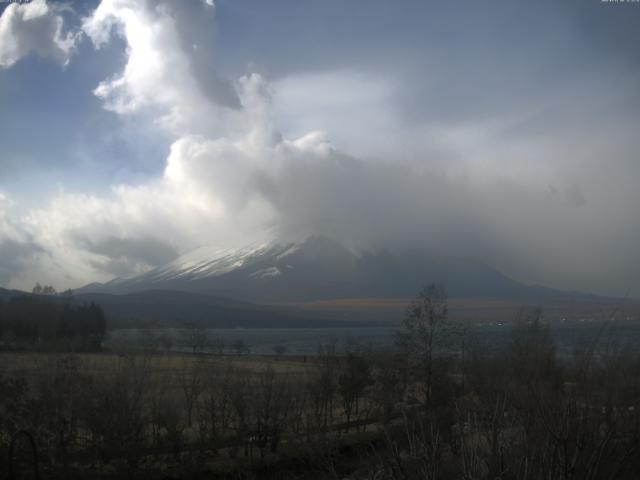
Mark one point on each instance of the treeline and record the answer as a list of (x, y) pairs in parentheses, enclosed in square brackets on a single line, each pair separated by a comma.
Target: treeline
[(48, 320)]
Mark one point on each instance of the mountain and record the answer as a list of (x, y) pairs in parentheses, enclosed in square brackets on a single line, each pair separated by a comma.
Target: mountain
[(314, 282), (320, 268)]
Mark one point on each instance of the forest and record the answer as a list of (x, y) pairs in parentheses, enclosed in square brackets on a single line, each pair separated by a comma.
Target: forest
[(44, 320)]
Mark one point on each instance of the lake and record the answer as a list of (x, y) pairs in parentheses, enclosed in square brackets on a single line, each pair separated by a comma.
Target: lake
[(306, 341)]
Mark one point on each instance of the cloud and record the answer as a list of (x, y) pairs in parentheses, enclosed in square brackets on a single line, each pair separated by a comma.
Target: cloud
[(540, 187), (204, 193), (169, 66), (16, 257), (208, 194), (124, 254), (349, 105), (17, 249), (34, 27)]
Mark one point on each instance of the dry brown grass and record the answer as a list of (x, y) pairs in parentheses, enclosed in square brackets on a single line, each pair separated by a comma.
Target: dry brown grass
[(26, 364)]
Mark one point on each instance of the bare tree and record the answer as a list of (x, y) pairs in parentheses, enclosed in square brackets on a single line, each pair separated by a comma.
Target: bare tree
[(240, 347), (269, 409), (279, 350), (192, 384), (215, 407), (390, 375), (196, 339), (424, 329), (165, 340), (116, 409), (217, 344), (352, 382)]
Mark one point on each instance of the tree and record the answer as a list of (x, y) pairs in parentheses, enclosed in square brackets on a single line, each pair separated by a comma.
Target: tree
[(166, 342), (196, 339), (217, 344), (352, 383), (533, 353), (390, 380), (43, 290), (269, 404), (279, 350), (1, 319), (323, 383), (424, 329), (240, 347), (192, 383), (216, 407)]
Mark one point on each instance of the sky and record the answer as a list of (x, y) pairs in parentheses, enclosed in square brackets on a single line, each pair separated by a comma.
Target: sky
[(134, 131)]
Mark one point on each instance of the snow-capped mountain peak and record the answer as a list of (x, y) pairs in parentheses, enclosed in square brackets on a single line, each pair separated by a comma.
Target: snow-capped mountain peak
[(317, 267), (210, 261)]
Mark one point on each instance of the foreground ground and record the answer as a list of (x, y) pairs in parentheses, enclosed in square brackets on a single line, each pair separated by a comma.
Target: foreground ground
[(401, 413)]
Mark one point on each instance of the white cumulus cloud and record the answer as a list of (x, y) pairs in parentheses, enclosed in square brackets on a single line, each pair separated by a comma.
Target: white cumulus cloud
[(34, 27), (169, 69)]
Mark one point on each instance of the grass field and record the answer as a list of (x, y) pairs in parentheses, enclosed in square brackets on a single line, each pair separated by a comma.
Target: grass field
[(165, 409)]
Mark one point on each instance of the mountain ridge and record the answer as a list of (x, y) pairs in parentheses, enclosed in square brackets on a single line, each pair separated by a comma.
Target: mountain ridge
[(320, 268)]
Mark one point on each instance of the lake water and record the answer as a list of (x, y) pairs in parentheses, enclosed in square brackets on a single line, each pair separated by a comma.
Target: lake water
[(306, 341)]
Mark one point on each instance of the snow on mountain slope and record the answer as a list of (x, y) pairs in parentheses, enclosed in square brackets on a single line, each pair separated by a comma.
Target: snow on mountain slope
[(207, 261), (318, 268)]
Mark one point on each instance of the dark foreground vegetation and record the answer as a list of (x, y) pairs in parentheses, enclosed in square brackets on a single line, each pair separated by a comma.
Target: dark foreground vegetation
[(437, 406)]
